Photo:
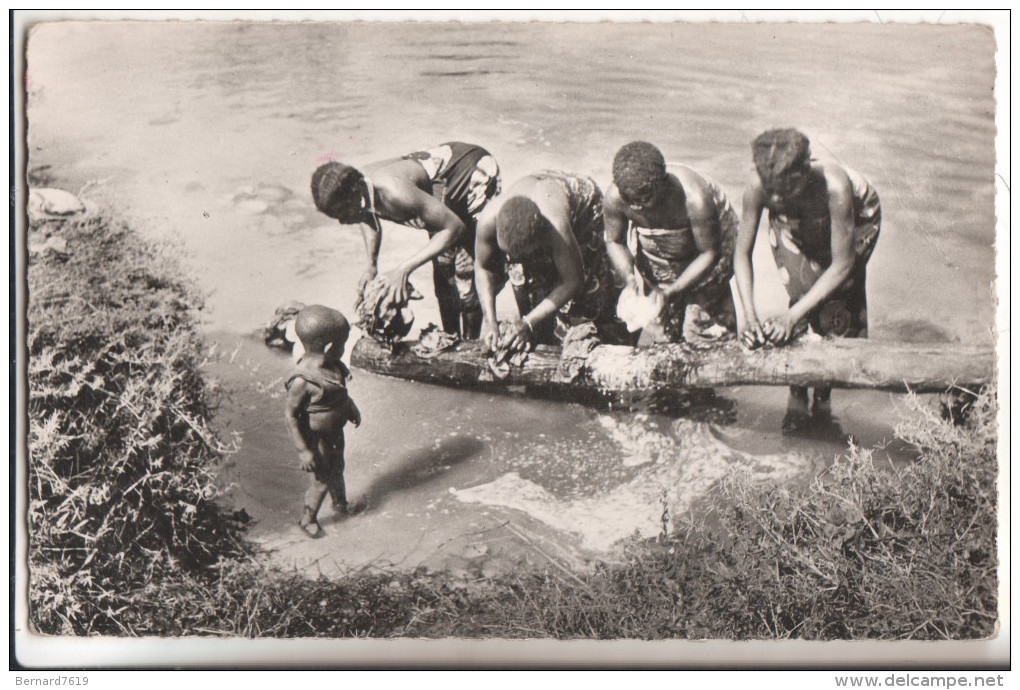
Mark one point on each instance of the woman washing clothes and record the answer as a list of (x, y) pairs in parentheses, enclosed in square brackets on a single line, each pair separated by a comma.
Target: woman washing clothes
[(440, 190), (824, 221), (685, 233), (546, 236)]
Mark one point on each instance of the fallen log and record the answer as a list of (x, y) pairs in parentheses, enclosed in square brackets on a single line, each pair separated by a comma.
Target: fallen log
[(619, 369)]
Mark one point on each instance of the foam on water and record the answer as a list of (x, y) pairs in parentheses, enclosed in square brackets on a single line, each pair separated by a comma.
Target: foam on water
[(675, 469)]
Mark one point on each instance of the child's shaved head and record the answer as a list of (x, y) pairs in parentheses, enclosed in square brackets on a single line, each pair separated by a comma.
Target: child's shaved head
[(318, 326), (778, 152)]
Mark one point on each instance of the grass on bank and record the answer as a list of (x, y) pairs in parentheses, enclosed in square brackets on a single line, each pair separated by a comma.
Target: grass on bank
[(126, 537)]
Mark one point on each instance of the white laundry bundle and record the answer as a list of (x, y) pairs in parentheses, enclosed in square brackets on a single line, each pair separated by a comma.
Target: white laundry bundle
[(636, 308)]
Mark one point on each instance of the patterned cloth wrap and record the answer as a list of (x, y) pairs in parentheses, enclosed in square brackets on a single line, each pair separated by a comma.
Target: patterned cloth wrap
[(802, 249), (384, 321), (536, 276)]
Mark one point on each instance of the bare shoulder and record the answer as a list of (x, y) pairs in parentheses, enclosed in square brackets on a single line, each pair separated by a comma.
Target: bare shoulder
[(692, 179), (612, 201), (696, 187), (392, 182), (487, 218), (385, 168), (753, 187), (548, 194), (837, 181), (398, 195), (543, 187)]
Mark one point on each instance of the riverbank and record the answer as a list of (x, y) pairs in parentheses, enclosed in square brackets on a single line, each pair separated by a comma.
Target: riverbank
[(128, 535)]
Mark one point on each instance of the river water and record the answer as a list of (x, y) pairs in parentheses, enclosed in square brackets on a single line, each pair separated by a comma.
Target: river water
[(207, 133)]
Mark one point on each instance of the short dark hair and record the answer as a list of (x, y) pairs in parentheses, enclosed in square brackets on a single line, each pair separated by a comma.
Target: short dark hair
[(318, 326), (778, 152), (336, 190), (639, 171), (519, 226)]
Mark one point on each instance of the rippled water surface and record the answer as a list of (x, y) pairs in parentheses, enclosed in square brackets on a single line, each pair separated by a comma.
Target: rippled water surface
[(208, 132)]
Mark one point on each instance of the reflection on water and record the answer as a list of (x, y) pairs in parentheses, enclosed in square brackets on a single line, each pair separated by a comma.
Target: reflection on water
[(208, 132), (697, 404)]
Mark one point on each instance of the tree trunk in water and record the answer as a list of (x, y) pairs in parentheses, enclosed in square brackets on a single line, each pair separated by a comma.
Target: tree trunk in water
[(840, 363)]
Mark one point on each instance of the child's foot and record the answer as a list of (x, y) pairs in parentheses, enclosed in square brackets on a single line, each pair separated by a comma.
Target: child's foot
[(342, 509), (311, 528), (309, 525)]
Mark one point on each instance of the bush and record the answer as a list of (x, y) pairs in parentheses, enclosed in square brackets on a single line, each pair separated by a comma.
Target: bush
[(120, 458), (865, 552)]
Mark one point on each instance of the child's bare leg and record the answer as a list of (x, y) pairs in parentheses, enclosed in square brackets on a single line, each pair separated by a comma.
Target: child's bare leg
[(821, 413), (337, 486), (822, 422), (334, 455), (314, 496)]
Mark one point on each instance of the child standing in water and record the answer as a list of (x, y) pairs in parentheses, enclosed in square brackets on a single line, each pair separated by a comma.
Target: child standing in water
[(318, 406)]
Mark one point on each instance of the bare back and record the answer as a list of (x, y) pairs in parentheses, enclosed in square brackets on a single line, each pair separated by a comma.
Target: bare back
[(317, 399)]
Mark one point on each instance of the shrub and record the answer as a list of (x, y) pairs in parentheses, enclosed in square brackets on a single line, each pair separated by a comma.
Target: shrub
[(121, 482), (864, 552)]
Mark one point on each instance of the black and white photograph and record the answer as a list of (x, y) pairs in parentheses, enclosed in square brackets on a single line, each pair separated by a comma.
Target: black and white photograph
[(509, 326)]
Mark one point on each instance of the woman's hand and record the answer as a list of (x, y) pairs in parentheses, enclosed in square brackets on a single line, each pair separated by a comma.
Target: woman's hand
[(489, 335), (779, 329), (753, 336), (365, 279), (516, 335), (396, 286), (658, 298)]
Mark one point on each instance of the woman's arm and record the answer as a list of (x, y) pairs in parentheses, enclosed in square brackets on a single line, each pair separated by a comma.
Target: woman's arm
[(298, 395), (753, 204), (705, 228), (488, 260), (616, 224), (371, 232), (840, 199), (404, 200)]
